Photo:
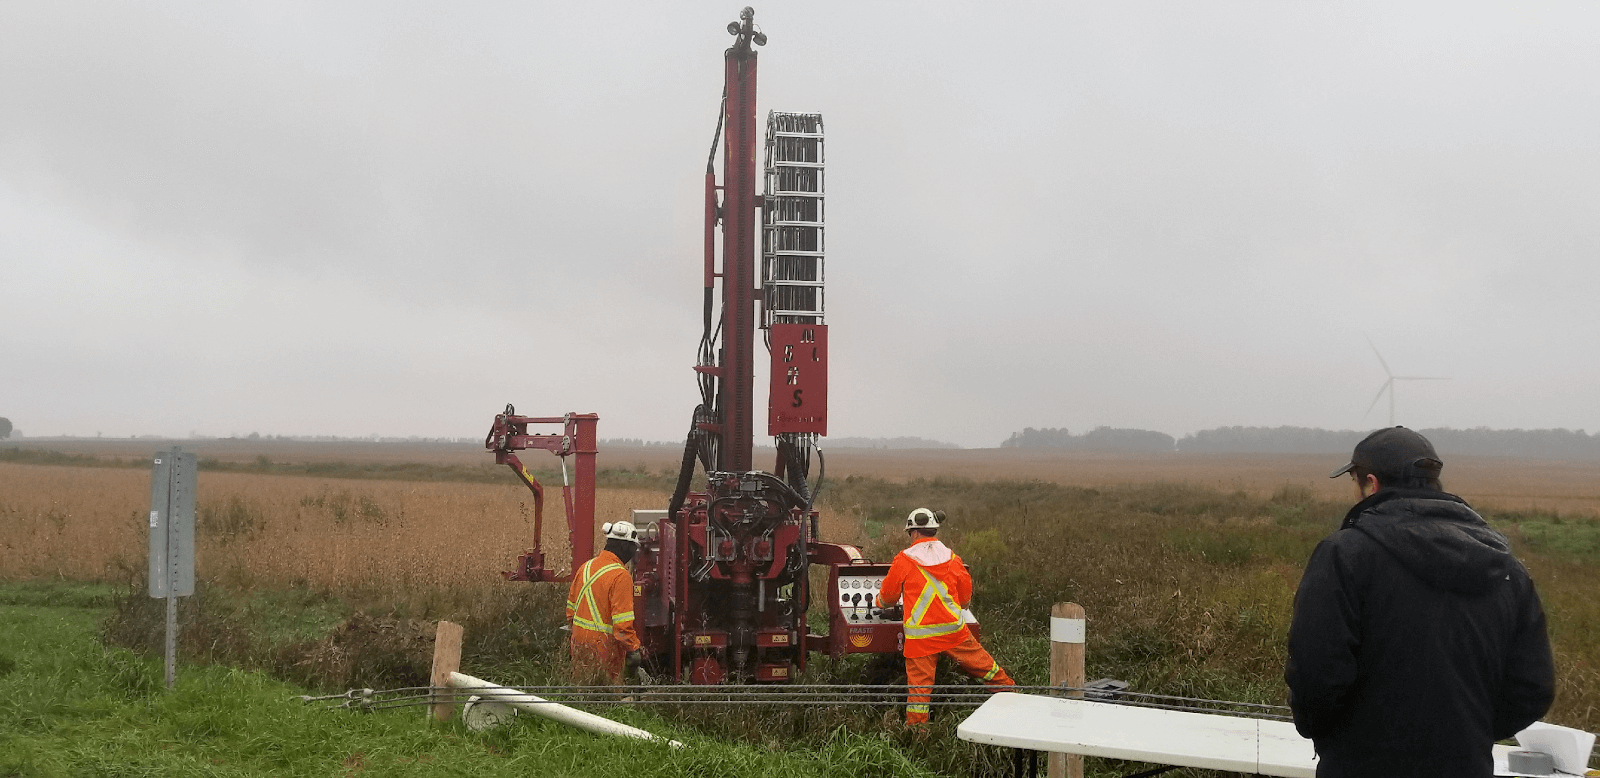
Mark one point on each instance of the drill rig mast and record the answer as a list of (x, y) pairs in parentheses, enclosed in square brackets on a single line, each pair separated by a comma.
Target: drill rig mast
[(722, 576), (730, 561)]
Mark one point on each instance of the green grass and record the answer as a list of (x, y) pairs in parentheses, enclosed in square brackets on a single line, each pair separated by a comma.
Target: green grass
[(514, 640), (72, 706), (1551, 534)]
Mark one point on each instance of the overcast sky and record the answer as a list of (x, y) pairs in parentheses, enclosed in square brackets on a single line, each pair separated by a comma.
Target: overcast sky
[(353, 218)]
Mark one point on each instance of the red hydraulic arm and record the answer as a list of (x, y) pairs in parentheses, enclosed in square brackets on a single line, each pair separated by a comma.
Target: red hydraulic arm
[(510, 434)]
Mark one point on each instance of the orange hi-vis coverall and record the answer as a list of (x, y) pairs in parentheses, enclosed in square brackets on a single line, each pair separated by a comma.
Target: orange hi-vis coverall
[(936, 586), (600, 610)]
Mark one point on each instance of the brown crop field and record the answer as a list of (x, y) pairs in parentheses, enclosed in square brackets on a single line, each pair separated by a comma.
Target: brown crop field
[(1506, 483)]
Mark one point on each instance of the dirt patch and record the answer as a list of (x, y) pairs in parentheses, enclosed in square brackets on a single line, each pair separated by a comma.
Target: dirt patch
[(365, 651)]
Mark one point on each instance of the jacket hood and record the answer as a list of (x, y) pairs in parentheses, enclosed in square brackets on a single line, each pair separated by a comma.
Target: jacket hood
[(1436, 536), (928, 552)]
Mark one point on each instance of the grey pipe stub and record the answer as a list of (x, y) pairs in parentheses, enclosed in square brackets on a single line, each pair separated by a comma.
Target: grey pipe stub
[(1534, 762)]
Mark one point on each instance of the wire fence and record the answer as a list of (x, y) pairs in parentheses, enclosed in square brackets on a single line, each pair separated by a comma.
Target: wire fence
[(835, 695)]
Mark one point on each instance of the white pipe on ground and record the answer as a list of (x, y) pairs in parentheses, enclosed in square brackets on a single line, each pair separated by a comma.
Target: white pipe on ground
[(599, 725)]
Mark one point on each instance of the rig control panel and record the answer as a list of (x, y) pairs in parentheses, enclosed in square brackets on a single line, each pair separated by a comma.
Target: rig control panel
[(858, 593), (855, 623)]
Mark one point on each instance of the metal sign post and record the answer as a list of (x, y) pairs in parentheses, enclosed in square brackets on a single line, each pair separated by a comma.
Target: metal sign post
[(172, 490)]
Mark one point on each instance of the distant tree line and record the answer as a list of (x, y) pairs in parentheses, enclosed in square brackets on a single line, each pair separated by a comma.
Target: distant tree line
[(1099, 439), (1478, 441), (637, 443), (1546, 443), (1272, 440), (888, 443)]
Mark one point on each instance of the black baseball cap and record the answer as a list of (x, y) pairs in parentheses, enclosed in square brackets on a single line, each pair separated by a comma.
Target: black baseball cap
[(1395, 452)]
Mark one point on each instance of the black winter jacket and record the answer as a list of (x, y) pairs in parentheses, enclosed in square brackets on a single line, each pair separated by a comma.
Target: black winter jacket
[(1418, 640)]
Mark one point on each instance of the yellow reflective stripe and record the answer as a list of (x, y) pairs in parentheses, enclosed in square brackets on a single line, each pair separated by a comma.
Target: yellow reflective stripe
[(917, 708), (914, 627), (586, 596), (583, 591), (993, 671), (933, 631), (944, 593), (921, 608), (618, 618)]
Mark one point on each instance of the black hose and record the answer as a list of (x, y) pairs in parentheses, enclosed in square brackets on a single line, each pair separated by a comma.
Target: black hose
[(705, 336), (722, 112), (794, 493), (822, 472), (685, 470)]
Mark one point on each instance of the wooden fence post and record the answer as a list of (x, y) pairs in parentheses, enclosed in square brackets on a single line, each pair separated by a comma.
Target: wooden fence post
[(446, 660), (1067, 630)]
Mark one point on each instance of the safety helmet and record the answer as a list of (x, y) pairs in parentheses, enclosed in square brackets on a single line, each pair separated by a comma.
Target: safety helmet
[(922, 518), (621, 530)]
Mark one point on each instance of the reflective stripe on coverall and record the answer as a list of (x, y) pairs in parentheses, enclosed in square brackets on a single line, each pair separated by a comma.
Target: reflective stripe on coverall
[(933, 625), (600, 609)]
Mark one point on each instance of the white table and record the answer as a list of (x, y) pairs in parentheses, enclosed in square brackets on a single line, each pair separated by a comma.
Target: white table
[(1183, 738)]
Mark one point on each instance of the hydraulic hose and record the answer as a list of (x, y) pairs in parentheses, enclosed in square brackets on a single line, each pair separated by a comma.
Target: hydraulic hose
[(822, 472), (685, 470)]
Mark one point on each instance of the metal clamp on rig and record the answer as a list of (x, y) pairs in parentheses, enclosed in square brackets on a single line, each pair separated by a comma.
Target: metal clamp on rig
[(509, 434)]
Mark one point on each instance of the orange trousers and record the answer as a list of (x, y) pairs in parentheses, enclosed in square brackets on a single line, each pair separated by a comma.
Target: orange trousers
[(596, 657), (974, 661)]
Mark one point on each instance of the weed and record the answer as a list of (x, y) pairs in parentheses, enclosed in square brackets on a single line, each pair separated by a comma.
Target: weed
[(1292, 494), (229, 520), (74, 708), (130, 674), (1188, 589), (1553, 534)]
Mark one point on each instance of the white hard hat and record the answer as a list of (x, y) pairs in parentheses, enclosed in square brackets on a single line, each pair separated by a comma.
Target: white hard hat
[(922, 518), (622, 530)]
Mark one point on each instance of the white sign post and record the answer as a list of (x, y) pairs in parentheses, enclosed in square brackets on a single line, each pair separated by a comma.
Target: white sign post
[(172, 490)]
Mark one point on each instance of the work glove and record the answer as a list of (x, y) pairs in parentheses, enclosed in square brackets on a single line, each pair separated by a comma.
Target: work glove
[(635, 662), (891, 613)]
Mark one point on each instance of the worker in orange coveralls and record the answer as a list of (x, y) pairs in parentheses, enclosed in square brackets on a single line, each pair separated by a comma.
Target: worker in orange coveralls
[(600, 608), (936, 586)]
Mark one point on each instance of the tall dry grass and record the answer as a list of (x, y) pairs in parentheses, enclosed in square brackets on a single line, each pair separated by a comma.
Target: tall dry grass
[(264, 530)]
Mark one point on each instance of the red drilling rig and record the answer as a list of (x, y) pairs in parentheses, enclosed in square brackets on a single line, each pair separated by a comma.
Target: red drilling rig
[(722, 580)]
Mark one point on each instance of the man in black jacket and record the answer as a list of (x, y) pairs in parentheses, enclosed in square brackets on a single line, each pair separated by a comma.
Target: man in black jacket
[(1418, 639)]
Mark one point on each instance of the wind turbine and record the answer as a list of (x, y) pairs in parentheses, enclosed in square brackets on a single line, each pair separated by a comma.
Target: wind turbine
[(1388, 386)]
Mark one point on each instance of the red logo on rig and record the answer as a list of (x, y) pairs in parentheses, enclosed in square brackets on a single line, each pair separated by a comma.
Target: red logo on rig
[(798, 401)]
